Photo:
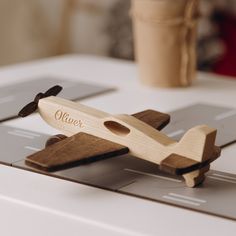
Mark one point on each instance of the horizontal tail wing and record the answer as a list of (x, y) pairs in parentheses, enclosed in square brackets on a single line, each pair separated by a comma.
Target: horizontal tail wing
[(179, 165)]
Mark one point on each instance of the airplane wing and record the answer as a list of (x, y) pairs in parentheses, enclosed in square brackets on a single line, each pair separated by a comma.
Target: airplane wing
[(153, 118), (82, 148), (77, 149), (179, 165)]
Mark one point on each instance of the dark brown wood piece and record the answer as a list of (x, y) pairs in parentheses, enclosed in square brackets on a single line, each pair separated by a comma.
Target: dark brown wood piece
[(33, 106), (74, 150), (176, 164), (179, 165), (153, 118)]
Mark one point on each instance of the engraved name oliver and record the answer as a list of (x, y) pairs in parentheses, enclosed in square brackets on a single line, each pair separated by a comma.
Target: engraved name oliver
[(66, 118)]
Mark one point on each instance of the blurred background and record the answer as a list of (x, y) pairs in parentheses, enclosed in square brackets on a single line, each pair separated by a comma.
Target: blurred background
[(32, 29)]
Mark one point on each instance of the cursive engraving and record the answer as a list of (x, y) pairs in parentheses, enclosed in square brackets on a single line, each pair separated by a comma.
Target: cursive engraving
[(66, 118)]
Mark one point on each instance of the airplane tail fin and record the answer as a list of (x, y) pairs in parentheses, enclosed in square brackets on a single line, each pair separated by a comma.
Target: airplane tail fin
[(198, 143)]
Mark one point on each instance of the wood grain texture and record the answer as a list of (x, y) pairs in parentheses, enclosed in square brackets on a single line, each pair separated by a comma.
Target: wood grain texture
[(179, 165), (192, 171), (142, 139), (80, 148), (74, 150), (194, 178), (153, 118)]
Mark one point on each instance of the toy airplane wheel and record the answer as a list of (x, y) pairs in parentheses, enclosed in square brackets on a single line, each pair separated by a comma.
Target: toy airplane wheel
[(55, 139)]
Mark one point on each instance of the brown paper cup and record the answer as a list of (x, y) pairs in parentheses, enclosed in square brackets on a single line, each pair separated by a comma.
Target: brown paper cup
[(165, 39)]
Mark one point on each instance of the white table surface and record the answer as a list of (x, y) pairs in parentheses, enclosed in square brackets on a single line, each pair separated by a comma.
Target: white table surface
[(34, 204)]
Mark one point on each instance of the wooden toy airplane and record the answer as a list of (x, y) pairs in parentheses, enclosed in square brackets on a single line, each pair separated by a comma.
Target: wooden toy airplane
[(94, 134)]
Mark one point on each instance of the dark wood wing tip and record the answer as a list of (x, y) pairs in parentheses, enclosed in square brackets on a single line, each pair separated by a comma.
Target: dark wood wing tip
[(156, 119)]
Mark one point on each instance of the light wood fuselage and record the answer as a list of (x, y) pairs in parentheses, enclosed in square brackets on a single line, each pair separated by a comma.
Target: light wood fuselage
[(142, 140)]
